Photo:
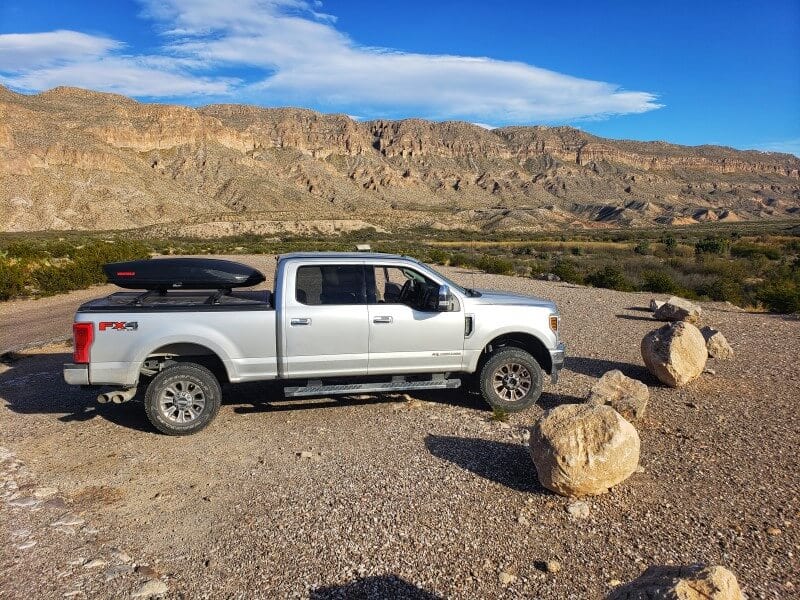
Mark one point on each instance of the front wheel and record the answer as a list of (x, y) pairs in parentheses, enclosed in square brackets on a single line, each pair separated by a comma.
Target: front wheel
[(511, 380), (182, 399)]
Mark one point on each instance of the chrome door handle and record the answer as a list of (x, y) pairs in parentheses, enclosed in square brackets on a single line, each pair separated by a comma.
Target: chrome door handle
[(382, 320), (300, 322)]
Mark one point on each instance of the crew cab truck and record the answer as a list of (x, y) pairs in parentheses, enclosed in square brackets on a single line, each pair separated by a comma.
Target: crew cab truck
[(336, 323)]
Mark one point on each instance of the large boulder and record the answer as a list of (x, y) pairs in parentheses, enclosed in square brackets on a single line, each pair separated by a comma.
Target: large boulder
[(716, 344), (678, 309), (695, 582), (656, 304), (675, 353), (625, 395), (583, 450)]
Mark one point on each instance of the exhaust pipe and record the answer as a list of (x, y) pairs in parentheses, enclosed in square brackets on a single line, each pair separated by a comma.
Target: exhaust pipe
[(117, 396)]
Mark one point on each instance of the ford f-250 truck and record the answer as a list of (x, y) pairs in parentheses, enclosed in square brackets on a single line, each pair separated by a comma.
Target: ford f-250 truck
[(336, 323)]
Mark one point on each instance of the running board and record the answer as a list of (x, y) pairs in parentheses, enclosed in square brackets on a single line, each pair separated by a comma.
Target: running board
[(316, 388)]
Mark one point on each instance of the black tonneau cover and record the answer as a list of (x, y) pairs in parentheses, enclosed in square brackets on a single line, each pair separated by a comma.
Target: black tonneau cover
[(182, 273)]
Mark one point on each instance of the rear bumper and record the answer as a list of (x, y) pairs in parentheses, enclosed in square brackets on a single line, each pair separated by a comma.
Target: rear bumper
[(76, 374), (557, 358)]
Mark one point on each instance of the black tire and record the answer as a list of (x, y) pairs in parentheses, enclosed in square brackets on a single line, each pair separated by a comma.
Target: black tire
[(511, 380), (198, 399)]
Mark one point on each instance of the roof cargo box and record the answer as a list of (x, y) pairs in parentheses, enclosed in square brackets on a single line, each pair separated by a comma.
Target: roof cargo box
[(182, 273)]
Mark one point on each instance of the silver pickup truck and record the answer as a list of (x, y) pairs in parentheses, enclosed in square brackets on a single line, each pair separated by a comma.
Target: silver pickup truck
[(336, 323)]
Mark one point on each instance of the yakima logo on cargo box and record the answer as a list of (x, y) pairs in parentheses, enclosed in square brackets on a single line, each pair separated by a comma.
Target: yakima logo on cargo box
[(118, 325)]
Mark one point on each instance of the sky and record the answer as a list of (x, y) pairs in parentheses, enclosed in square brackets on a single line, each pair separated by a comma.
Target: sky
[(688, 72)]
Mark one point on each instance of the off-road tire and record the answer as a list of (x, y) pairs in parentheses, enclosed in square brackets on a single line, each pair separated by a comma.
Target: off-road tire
[(173, 399), (511, 380)]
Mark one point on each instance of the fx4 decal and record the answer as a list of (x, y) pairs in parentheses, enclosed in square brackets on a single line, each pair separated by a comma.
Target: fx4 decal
[(118, 325)]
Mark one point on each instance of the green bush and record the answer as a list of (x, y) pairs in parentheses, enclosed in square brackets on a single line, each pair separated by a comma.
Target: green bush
[(712, 245), (567, 271), (25, 251), (781, 296), (13, 279), (609, 277), (747, 250), (642, 247), (495, 264), (659, 282)]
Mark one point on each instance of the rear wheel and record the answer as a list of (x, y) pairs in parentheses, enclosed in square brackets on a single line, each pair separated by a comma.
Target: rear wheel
[(182, 399), (511, 380)]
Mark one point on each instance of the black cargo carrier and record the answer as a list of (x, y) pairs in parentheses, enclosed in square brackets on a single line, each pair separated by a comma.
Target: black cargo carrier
[(164, 274)]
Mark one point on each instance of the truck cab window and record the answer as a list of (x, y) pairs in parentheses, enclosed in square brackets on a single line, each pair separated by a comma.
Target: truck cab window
[(330, 284), (396, 285)]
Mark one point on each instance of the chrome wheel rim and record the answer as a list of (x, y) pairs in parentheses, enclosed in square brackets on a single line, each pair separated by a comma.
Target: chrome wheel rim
[(512, 381), (183, 401)]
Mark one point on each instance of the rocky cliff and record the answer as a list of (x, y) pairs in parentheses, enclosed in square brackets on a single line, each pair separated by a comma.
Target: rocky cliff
[(76, 159)]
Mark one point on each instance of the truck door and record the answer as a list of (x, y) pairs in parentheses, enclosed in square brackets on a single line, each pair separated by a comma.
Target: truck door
[(406, 332), (325, 321)]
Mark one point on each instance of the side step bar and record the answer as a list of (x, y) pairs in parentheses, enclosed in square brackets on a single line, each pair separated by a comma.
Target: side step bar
[(398, 384)]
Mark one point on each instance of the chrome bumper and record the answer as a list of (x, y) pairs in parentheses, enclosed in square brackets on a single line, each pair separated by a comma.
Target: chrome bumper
[(76, 374), (557, 357)]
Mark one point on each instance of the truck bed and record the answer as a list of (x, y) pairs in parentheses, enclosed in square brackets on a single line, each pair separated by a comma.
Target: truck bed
[(190, 300)]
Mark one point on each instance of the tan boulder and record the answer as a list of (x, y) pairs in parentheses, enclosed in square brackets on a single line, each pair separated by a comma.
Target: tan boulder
[(675, 353), (625, 395), (678, 309), (581, 449), (695, 582), (716, 344)]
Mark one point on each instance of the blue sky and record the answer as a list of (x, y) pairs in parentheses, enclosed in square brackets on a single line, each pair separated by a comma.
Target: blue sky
[(688, 72)]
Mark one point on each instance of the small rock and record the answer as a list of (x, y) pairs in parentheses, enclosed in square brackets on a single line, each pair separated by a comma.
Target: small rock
[(147, 571), (117, 571), (549, 277), (305, 454), (716, 344), (24, 502), (120, 556), (68, 520), (578, 509), (523, 521), (693, 582), (709, 371), (678, 309), (773, 531), (506, 578), (655, 304), (675, 353), (72, 593), (44, 492), (55, 504), (627, 396), (553, 566), (95, 563), (153, 587), (26, 545)]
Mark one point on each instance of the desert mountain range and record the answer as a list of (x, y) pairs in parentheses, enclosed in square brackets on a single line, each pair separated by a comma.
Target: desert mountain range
[(77, 159)]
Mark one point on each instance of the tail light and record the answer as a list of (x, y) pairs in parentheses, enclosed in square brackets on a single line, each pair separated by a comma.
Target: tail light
[(83, 336)]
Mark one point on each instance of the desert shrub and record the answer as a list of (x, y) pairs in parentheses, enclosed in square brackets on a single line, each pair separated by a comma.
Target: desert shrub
[(782, 296), (439, 257), (568, 271), (721, 289), (659, 282), (712, 245), (25, 251), (495, 264), (670, 243), (609, 277), (459, 259), (751, 251), (13, 279), (643, 247)]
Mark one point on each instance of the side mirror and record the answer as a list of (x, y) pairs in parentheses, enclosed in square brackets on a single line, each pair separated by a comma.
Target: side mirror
[(445, 299)]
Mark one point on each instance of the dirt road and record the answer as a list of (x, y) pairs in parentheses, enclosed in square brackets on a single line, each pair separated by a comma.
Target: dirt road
[(422, 499)]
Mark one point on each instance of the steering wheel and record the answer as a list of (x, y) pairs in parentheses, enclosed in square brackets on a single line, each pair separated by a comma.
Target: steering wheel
[(406, 290)]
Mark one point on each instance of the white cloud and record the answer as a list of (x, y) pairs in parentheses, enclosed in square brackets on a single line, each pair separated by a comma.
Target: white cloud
[(21, 51), (293, 54)]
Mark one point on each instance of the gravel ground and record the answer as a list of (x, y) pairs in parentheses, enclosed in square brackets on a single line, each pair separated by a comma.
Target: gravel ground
[(420, 498)]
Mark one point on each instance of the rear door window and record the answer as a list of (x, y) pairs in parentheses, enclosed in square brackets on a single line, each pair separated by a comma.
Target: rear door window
[(318, 285)]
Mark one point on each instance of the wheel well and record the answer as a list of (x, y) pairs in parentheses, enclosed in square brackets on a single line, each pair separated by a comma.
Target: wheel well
[(525, 341), (185, 352)]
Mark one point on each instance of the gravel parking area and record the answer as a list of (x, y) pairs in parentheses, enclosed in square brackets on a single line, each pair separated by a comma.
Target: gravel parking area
[(389, 496)]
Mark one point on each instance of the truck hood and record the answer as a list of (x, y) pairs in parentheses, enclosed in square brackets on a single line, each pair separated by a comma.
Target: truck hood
[(507, 298)]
